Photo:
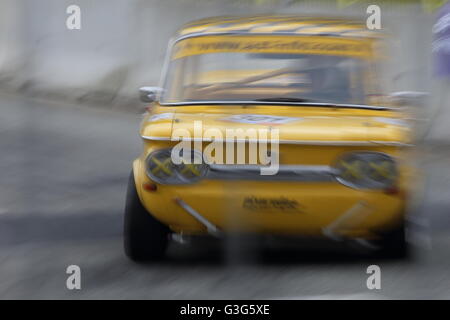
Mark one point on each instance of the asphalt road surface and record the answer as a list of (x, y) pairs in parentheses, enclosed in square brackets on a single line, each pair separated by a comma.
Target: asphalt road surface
[(63, 174)]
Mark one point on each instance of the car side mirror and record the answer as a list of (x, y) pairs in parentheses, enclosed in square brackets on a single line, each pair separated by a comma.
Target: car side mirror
[(149, 94), (408, 98)]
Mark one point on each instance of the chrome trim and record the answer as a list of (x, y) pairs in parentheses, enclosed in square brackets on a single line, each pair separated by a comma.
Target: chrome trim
[(275, 33), (165, 68), (149, 94), (281, 103), (285, 173), (357, 213), (332, 231), (296, 142), (212, 229)]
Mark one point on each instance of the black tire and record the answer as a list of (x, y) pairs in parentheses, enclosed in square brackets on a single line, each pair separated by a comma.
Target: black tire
[(393, 244), (145, 238)]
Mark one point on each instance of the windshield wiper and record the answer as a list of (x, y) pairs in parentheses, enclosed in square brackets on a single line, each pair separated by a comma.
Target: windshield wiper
[(285, 99)]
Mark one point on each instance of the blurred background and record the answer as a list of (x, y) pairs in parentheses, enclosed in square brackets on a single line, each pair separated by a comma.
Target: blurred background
[(69, 117), (121, 45)]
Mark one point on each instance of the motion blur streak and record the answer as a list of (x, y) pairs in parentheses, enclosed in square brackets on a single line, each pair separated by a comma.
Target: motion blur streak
[(66, 153), (60, 206)]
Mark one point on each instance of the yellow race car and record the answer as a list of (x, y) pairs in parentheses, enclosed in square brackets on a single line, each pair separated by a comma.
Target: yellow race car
[(270, 125)]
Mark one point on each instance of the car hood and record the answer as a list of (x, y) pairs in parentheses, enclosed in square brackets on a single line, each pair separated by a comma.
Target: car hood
[(294, 124)]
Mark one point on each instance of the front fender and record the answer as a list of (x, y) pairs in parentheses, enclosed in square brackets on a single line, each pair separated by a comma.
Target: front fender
[(138, 172)]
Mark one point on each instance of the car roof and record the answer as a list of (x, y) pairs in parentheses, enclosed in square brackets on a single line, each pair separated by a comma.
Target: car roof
[(278, 24)]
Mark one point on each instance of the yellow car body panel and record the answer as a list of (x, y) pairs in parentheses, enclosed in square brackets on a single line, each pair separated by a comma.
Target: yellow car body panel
[(317, 135)]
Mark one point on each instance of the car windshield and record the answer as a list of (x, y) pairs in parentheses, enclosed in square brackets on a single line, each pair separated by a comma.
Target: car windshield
[(265, 76)]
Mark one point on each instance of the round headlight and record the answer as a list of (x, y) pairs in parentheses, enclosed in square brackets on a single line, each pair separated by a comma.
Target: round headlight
[(192, 167), (367, 170), (161, 168)]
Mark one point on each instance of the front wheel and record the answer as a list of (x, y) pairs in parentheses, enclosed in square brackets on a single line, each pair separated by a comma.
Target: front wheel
[(145, 238)]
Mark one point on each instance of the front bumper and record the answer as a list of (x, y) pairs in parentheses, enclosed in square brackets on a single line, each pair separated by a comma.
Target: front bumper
[(326, 209)]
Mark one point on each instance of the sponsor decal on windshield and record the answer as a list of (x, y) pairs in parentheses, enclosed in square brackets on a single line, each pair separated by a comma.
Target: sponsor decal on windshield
[(272, 44)]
